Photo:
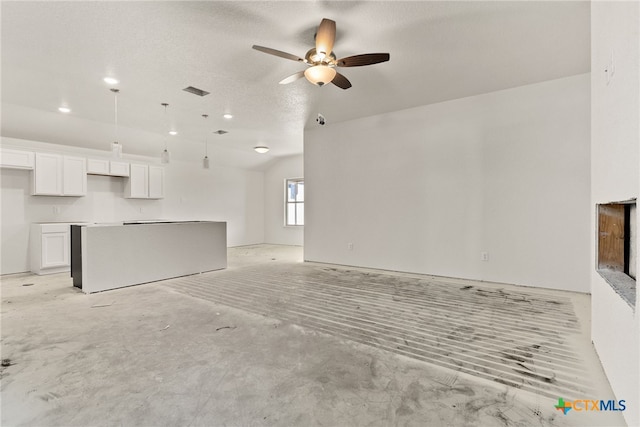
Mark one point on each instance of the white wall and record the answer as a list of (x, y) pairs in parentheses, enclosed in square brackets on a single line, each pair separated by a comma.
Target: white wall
[(220, 193), (615, 141), (274, 207), (428, 189), (217, 194)]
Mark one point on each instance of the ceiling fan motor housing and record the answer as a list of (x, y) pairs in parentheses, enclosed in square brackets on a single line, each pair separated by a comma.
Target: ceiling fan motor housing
[(314, 58)]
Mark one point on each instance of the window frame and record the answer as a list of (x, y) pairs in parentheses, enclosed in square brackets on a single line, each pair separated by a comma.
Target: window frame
[(287, 203)]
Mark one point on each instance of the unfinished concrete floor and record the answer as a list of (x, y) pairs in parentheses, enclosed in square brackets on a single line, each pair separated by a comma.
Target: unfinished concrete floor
[(273, 341)]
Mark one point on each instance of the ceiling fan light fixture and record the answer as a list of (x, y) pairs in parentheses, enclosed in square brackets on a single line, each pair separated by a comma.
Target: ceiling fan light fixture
[(261, 149), (320, 74)]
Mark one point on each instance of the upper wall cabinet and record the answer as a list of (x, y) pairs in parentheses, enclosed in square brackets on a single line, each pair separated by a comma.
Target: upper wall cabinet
[(74, 176), (118, 168), (57, 175), (156, 182), (145, 182), (137, 186), (47, 175), (107, 167), (16, 159)]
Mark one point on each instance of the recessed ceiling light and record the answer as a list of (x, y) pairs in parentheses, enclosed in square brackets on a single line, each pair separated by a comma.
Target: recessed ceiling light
[(261, 149), (64, 109), (227, 116), (173, 132), (111, 81)]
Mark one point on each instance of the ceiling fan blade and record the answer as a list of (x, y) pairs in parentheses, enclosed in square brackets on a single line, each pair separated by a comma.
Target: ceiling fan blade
[(364, 59), (341, 81), (325, 36), (279, 53), (292, 78)]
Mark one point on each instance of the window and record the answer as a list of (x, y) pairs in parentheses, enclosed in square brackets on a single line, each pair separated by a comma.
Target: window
[(295, 202)]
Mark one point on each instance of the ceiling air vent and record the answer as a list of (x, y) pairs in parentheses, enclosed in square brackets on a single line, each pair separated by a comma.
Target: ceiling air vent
[(196, 91), (220, 132)]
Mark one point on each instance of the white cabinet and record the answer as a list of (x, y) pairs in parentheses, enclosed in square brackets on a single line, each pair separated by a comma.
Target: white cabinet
[(156, 182), (107, 167), (50, 248), (47, 175), (145, 182), (16, 159), (74, 176), (137, 186), (118, 168), (97, 167), (57, 175)]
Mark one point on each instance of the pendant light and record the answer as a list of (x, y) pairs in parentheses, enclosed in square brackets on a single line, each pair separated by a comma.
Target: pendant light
[(116, 148), (205, 160), (165, 157)]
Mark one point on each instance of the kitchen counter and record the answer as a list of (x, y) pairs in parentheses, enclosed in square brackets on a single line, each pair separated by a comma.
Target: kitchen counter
[(111, 256)]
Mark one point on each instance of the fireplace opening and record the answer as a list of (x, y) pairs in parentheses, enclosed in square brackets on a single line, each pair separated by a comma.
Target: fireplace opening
[(617, 247)]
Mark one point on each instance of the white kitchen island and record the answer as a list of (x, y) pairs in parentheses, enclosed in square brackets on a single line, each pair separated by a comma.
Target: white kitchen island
[(111, 256)]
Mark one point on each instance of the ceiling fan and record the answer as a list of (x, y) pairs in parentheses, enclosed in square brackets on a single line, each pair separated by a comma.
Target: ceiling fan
[(322, 61)]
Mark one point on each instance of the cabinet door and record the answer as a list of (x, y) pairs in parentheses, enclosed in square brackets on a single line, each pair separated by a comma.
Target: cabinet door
[(138, 184), (97, 167), (16, 159), (74, 176), (118, 168), (55, 249), (47, 175), (156, 182)]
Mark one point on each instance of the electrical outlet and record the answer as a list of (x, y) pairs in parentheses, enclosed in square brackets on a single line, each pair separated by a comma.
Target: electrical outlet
[(56, 210), (141, 210), (484, 256), (350, 246)]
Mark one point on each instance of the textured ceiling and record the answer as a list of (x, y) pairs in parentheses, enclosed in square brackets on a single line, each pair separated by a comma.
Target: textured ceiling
[(57, 53)]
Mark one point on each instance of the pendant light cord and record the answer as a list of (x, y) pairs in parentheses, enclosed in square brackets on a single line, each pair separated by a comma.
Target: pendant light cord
[(115, 102), (115, 110), (166, 124), (206, 146)]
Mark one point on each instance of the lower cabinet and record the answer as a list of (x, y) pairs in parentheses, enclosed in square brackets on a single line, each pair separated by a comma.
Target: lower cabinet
[(50, 248)]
